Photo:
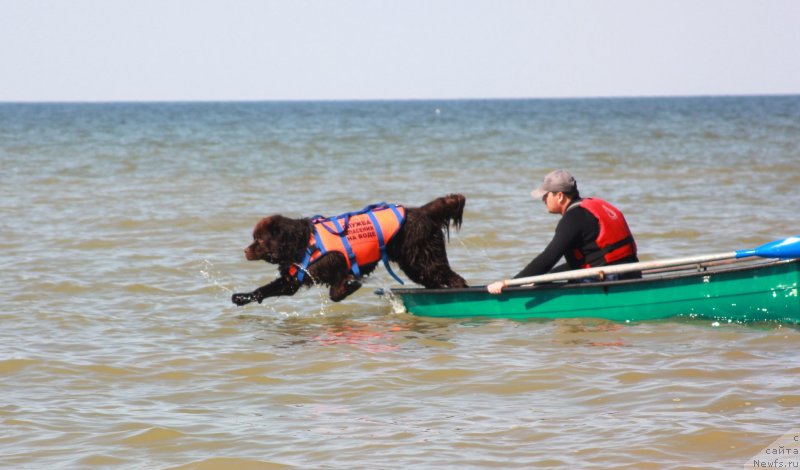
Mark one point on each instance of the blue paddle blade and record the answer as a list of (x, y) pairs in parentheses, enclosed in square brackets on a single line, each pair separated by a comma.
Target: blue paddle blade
[(786, 248)]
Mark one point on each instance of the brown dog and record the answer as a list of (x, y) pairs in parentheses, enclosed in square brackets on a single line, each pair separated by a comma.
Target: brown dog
[(326, 250)]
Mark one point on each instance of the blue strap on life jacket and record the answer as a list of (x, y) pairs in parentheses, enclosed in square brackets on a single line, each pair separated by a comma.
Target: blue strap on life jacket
[(301, 268), (382, 242), (301, 272), (347, 247)]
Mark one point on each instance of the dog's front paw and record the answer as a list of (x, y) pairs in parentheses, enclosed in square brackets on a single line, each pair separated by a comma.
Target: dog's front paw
[(242, 299), (246, 298)]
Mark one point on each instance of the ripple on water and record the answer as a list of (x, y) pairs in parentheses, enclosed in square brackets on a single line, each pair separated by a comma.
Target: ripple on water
[(122, 242)]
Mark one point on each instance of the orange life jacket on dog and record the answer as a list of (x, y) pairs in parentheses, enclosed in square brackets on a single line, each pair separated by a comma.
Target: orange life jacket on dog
[(360, 236), (614, 242)]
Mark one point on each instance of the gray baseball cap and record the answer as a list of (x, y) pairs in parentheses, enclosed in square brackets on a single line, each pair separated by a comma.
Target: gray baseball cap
[(556, 181)]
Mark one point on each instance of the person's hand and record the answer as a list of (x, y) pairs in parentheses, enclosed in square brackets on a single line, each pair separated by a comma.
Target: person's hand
[(496, 287)]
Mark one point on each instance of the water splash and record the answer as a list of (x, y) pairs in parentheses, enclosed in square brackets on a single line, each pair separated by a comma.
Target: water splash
[(324, 301), (219, 280), (214, 277), (395, 303)]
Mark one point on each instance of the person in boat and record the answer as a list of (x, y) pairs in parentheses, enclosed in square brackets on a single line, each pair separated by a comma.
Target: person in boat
[(591, 232)]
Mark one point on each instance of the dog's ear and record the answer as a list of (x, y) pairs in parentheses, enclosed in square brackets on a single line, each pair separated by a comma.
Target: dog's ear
[(289, 234), (279, 227), (261, 230), (269, 227)]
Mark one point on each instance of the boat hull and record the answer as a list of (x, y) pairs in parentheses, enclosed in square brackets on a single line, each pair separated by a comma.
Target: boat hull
[(754, 292)]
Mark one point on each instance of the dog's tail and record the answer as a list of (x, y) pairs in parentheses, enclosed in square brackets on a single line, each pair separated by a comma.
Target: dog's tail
[(446, 210)]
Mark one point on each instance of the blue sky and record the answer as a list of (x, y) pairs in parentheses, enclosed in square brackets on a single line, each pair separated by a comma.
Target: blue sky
[(133, 50)]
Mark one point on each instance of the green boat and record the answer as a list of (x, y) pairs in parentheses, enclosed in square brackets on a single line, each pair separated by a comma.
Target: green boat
[(731, 291)]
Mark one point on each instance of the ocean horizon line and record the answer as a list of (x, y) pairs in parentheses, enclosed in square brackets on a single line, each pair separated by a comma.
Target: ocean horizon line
[(398, 100)]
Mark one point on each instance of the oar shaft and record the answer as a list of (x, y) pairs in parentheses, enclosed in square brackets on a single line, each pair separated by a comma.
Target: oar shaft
[(785, 248), (619, 269)]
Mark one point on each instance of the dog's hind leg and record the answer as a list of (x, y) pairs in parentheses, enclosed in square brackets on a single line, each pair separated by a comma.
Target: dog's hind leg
[(454, 280)]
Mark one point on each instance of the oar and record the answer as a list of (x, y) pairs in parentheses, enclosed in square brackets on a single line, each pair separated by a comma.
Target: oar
[(786, 248)]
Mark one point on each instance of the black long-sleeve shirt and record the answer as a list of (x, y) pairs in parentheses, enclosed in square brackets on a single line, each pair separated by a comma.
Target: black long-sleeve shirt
[(578, 228)]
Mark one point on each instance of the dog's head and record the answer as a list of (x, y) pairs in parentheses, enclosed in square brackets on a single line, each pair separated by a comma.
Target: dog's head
[(277, 239)]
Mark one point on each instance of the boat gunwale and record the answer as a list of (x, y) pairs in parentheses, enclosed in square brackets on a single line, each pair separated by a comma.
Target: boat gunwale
[(682, 271)]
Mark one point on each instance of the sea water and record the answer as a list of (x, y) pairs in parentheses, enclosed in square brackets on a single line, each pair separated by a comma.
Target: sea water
[(121, 241)]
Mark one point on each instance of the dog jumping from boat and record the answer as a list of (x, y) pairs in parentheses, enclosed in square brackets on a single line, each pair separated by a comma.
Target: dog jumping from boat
[(338, 251)]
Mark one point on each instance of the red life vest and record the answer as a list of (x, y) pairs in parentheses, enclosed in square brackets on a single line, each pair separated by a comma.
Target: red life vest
[(360, 236), (614, 242)]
